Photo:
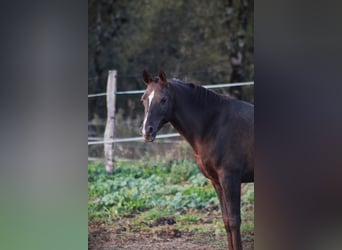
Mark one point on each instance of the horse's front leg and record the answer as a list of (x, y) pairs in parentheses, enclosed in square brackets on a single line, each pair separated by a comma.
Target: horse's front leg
[(224, 212), (231, 187)]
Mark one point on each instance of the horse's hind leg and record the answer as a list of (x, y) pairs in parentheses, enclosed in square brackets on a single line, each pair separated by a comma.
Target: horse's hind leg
[(231, 187), (224, 211)]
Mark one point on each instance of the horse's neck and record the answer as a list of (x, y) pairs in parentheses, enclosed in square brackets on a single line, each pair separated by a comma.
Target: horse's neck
[(189, 118), (181, 125)]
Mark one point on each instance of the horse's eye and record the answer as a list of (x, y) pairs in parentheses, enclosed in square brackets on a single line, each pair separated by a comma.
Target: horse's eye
[(163, 100)]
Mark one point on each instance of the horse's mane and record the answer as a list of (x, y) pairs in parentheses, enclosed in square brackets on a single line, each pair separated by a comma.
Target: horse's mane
[(201, 95)]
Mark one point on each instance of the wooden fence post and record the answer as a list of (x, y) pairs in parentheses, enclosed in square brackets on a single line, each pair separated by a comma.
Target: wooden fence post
[(109, 131)]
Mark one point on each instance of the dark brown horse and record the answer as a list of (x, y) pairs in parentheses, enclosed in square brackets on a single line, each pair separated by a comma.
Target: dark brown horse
[(220, 131)]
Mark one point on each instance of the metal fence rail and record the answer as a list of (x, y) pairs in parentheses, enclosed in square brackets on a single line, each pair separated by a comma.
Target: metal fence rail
[(210, 86), (130, 139)]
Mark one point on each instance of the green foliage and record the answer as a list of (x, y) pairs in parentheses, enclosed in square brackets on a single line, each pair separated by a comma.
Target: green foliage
[(159, 189), (136, 186), (150, 191), (181, 171), (247, 207), (193, 40)]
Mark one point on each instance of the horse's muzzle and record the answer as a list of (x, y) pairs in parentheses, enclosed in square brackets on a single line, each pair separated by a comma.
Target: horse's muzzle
[(149, 138), (150, 134)]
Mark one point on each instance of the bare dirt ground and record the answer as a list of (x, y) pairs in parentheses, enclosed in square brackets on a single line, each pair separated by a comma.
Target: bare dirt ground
[(117, 236)]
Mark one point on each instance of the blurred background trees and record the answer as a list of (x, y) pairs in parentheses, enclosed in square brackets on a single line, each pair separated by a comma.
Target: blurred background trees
[(202, 41)]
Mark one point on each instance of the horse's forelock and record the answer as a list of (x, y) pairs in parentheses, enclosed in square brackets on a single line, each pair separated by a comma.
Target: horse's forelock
[(156, 79)]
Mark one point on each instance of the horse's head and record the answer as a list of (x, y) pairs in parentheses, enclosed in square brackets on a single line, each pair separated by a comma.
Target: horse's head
[(157, 101)]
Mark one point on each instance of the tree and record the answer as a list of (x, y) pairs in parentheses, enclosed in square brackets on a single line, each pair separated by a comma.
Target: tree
[(200, 41)]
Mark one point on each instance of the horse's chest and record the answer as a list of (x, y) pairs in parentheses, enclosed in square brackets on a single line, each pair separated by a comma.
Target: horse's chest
[(206, 168)]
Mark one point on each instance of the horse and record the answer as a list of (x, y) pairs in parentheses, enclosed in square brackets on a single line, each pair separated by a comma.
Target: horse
[(220, 130)]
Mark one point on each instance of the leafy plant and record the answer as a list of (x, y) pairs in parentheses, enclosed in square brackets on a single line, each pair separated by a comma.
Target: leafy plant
[(163, 188)]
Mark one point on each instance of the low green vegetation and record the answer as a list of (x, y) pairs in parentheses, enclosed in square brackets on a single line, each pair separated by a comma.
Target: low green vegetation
[(148, 191)]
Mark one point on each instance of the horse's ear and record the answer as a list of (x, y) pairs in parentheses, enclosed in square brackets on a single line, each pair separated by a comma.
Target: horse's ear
[(162, 76), (146, 77)]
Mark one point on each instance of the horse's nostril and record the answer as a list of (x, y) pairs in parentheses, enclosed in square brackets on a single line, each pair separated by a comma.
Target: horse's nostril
[(150, 129)]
